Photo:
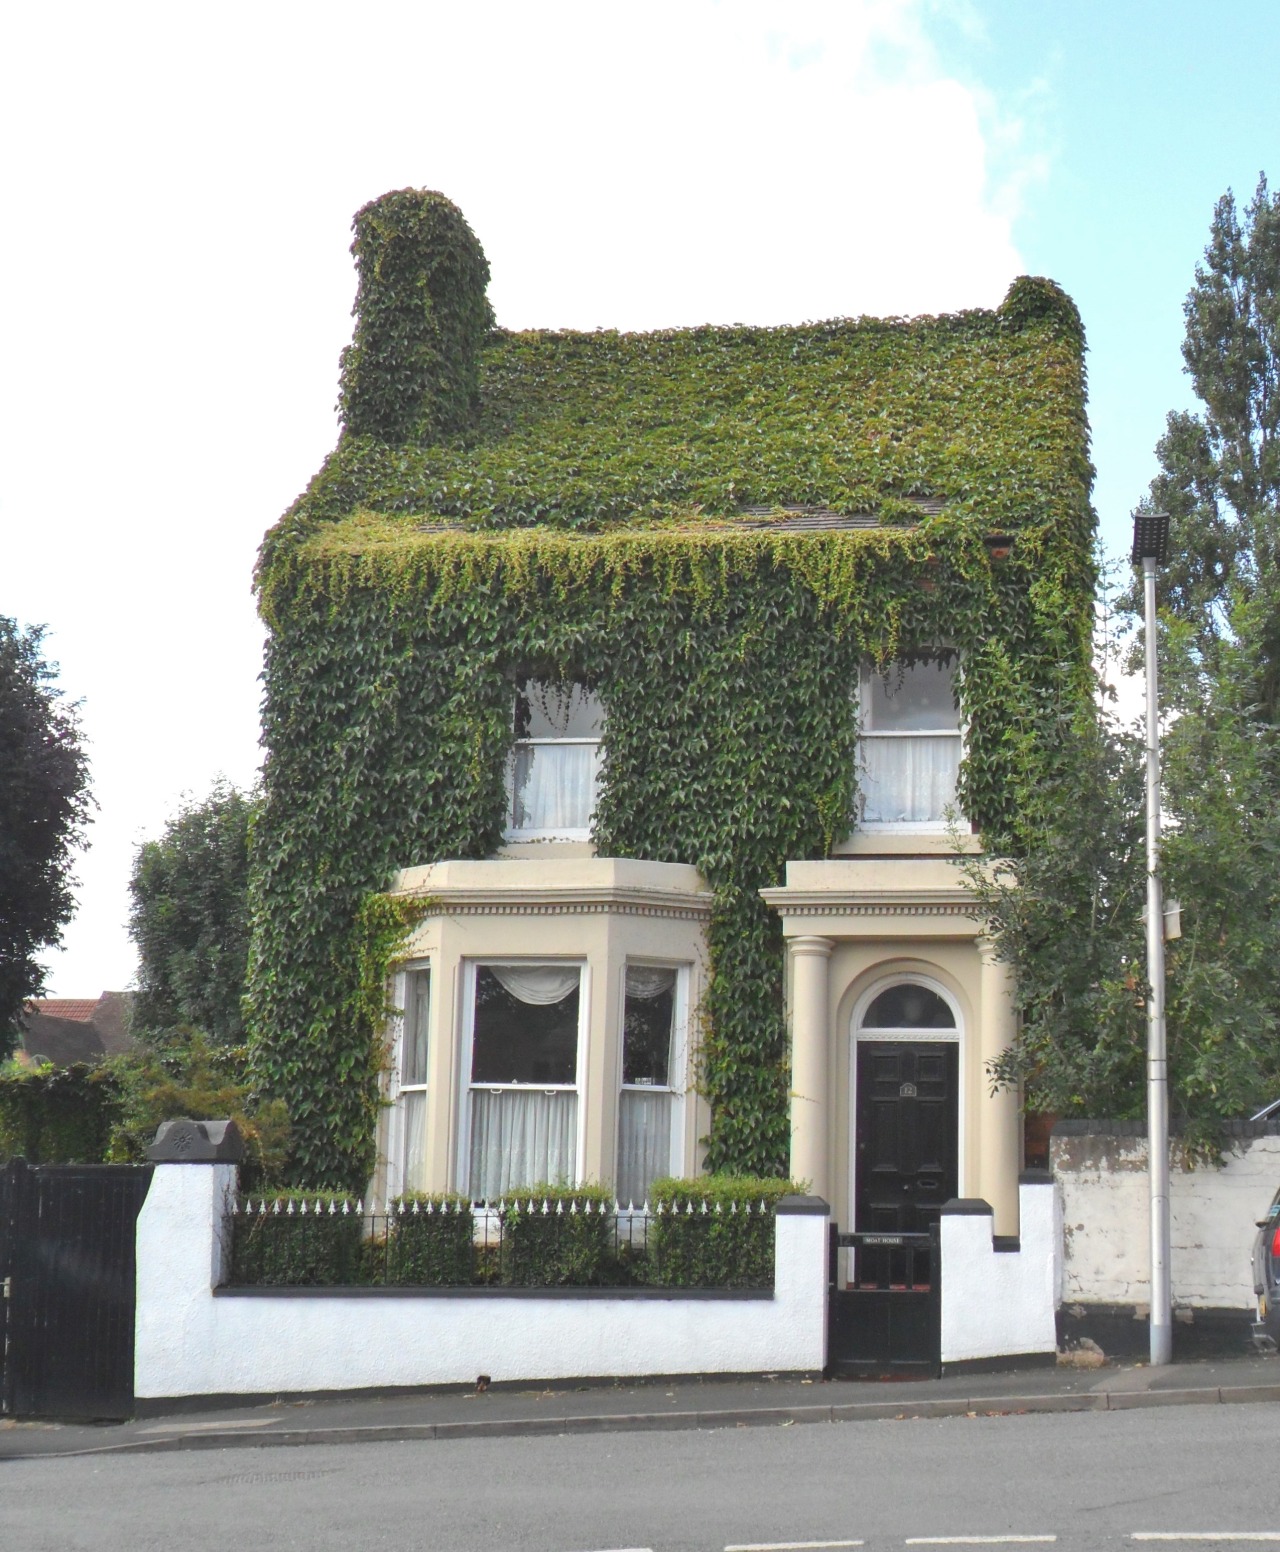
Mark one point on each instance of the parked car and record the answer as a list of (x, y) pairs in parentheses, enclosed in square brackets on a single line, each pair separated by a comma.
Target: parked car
[(1266, 1279)]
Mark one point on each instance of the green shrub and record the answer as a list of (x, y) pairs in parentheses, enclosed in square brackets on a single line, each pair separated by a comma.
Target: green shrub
[(58, 1115), (311, 1239), (713, 1232), (558, 1236), (190, 1074), (428, 1242)]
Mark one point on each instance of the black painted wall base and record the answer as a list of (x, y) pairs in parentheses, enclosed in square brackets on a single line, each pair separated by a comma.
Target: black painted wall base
[(1123, 1332), (1011, 1363)]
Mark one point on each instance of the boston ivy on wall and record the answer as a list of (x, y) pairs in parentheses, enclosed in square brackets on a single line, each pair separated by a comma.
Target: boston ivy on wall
[(727, 657)]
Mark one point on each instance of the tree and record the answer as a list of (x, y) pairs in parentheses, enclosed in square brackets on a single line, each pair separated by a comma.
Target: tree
[(1220, 470), (190, 920), (1067, 910), (1064, 905), (44, 808)]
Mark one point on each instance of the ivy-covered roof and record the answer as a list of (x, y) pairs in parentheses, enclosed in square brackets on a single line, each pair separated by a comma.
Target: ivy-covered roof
[(450, 422)]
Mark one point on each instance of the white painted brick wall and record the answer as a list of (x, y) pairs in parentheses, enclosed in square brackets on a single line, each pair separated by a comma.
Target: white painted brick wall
[(1103, 1182), (189, 1343)]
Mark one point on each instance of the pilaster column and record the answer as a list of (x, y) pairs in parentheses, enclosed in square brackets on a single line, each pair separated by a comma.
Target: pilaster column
[(999, 1115), (810, 1065)]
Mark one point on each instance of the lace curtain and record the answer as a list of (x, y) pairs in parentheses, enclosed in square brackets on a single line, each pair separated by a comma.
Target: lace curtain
[(649, 981), (413, 1119), (908, 780), (538, 985), (521, 1137), (554, 786), (644, 1142)]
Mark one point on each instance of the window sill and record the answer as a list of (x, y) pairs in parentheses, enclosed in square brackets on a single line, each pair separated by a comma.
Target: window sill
[(907, 841), (526, 842)]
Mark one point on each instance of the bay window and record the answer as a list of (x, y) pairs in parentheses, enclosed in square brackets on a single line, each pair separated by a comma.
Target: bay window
[(525, 1024), (555, 762), (909, 746), (411, 1099), (649, 1102)]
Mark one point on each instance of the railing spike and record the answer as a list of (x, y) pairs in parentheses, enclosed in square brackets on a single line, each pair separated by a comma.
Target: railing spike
[(289, 1209)]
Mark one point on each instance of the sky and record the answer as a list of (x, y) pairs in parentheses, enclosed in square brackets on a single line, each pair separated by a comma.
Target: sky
[(176, 194)]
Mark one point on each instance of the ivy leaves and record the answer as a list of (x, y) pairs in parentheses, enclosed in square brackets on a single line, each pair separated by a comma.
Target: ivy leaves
[(728, 666)]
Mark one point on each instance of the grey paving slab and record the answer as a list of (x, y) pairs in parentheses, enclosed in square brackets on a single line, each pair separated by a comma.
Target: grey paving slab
[(658, 1405)]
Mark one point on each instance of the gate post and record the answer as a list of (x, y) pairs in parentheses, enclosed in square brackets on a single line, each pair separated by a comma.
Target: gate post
[(180, 1256)]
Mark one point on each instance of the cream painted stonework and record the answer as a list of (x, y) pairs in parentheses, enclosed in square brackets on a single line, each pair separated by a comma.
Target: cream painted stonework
[(597, 912), (854, 925)]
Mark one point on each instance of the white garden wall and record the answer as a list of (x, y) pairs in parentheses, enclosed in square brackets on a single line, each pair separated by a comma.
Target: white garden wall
[(193, 1341), (1101, 1171), (998, 1299)]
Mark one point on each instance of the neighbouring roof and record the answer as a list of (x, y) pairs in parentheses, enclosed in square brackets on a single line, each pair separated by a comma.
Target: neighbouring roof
[(63, 1030), (79, 1008), (849, 423)]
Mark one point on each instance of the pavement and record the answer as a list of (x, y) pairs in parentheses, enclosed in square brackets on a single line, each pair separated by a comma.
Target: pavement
[(760, 1402)]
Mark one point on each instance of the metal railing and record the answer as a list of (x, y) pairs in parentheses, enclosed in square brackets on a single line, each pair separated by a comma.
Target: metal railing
[(522, 1242)]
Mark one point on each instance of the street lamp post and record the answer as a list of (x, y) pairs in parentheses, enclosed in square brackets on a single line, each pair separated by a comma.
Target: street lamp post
[(1150, 549)]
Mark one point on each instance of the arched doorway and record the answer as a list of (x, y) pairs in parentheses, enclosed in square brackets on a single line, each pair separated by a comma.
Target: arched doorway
[(906, 1107)]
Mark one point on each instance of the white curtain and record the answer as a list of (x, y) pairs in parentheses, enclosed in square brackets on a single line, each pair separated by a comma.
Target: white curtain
[(521, 1137), (538, 985), (554, 786), (413, 1121), (908, 780), (644, 1142), (649, 981)]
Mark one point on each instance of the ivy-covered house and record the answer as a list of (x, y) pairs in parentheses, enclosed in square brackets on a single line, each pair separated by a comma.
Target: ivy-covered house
[(626, 696)]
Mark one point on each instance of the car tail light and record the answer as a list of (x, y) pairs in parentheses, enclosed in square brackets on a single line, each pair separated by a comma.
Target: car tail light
[(1275, 1243)]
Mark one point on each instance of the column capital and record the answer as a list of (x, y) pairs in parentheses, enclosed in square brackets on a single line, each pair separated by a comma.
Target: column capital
[(818, 947), (988, 948)]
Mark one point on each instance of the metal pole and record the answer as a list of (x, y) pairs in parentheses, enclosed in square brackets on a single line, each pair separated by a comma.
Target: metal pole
[(1157, 1055)]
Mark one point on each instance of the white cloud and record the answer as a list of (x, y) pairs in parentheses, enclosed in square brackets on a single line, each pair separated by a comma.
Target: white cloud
[(175, 284)]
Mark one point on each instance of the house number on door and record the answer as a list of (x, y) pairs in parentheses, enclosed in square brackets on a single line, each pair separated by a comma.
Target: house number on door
[(907, 1091)]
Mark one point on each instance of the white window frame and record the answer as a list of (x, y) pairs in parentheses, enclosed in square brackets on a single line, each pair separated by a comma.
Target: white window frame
[(677, 1066), (467, 1048), (867, 673), (511, 832), (397, 1131)]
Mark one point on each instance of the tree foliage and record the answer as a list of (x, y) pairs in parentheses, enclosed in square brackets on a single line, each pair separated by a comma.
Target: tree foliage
[(1065, 906), (1068, 911), (44, 808), (190, 919)]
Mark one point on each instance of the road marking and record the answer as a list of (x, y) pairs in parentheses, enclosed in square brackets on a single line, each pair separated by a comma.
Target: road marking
[(974, 1541), (1205, 1535), (789, 1546)]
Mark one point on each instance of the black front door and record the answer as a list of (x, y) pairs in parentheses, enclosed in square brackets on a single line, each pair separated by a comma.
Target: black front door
[(884, 1312), (905, 1134)]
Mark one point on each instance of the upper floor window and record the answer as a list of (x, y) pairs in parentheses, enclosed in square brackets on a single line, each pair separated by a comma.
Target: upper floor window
[(910, 743), (555, 764)]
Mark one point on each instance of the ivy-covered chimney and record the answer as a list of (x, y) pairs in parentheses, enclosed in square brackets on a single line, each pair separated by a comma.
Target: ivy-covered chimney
[(411, 372)]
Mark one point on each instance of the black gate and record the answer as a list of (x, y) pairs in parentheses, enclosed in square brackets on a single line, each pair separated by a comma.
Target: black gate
[(67, 1264), (884, 1314)]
